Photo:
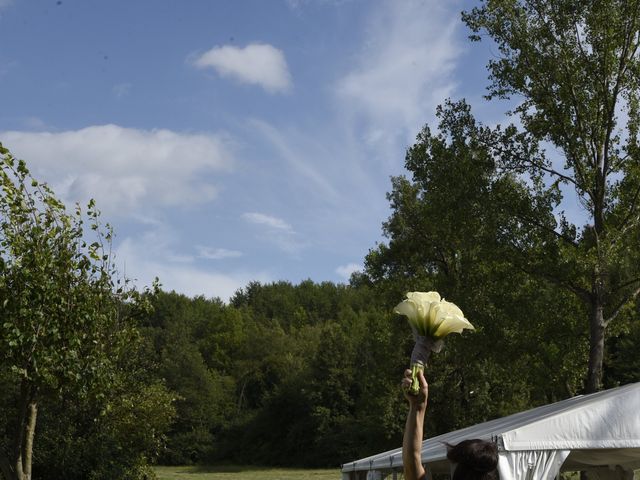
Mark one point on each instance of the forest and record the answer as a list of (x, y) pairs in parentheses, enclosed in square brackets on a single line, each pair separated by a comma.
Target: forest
[(100, 380), (308, 375)]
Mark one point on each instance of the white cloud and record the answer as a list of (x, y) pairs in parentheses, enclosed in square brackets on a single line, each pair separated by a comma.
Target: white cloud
[(404, 70), (217, 253), (269, 221), (257, 64), (124, 168), (345, 271), (152, 254), (277, 231)]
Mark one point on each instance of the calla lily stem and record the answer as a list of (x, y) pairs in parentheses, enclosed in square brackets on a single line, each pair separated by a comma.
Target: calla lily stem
[(415, 384)]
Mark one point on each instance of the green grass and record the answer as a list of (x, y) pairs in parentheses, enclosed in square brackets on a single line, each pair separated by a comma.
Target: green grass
[(237, 472)]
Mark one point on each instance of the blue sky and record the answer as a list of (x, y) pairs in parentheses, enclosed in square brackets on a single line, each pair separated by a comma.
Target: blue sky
[(230, 141)]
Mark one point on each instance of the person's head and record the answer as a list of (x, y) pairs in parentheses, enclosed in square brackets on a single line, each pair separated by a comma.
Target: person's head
[(475, 459)]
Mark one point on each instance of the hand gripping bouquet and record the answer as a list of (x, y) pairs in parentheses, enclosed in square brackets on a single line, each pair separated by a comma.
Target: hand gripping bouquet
[(431, 319)]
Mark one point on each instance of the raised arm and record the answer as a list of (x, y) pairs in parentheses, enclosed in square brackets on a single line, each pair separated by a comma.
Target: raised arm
[(413, 430)]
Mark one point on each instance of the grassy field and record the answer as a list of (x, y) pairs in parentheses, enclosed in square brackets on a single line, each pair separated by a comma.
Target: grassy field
[(233, 472)]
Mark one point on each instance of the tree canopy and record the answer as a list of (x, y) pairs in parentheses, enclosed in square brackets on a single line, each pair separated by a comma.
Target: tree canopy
[(574, 70)]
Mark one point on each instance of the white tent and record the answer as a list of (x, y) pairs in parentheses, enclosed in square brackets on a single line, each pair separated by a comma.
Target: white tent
[(598, 433)]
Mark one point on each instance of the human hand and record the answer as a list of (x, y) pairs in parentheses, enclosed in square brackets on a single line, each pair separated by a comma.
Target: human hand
[(419, 401)]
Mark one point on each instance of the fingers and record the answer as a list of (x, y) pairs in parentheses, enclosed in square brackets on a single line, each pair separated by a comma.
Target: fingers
[(417, 399), (406, 380)]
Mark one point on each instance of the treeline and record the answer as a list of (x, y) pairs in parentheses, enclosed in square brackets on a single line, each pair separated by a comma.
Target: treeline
[(308, 374)]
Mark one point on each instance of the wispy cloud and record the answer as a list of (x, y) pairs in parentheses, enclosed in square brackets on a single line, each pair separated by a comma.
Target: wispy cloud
[(303, 158), (403, 71), (217, 253), (121, 89), (340, 164), (178, 276), (155, 253), (274, 223), (256, 64), (277, 231), (125, 168), (403, 68)]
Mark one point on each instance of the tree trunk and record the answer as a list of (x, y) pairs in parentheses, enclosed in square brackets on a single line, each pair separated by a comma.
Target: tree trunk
[(596, 346), (27, 454), (20, 467), (23, 409)]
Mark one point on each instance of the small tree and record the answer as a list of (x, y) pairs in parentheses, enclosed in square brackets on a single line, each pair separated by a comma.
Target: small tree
[(63, 321)]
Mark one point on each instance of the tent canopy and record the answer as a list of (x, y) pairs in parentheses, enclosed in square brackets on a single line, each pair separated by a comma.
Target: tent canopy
[(600, 429)]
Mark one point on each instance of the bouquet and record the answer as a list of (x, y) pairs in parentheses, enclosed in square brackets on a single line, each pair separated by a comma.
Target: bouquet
[(431, 319)]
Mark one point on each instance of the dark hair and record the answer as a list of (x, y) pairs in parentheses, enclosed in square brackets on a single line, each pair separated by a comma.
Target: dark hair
[(476, 459)]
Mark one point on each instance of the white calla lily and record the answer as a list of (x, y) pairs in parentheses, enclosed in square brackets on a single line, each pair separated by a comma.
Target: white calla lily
[(409, 309), (417, 308), (431, 316), (424, 296), (448, 318)]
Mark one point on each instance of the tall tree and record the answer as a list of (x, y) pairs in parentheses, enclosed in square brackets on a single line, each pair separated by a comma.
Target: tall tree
[(574, 67), (455, 227), (63, 321)]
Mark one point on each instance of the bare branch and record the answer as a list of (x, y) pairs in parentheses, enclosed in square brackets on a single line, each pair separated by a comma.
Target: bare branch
[(621, 304), (632, 208), (552, 231), (626, 284)]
